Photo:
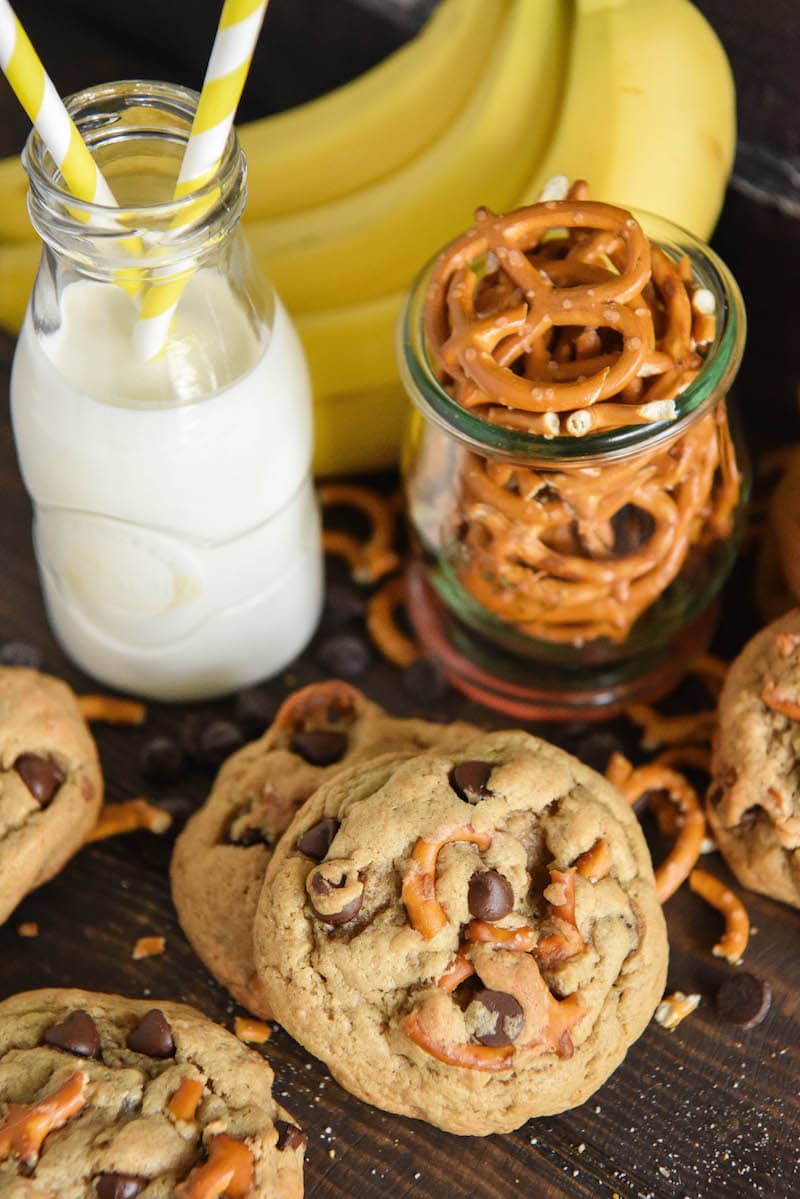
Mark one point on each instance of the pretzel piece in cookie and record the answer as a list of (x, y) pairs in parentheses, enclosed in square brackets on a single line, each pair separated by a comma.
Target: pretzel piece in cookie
[(423, 1032), (424, 911), (184, 1101), (228, 1171), (733, 942), (24, 1128), (773, 698)]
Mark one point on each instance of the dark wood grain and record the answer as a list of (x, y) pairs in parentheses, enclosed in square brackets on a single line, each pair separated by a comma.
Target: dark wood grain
[(703, 1112)]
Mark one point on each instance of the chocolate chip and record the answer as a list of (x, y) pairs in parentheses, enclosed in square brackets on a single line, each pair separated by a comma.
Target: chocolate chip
[(255, 711), (468, 780), (324, 889), (162, 760), (490, 896), (218, 739), (632, 527), (508, 1018), (119, 1186), (751, 815), (319, 747), (345, 655), (41, 776), (152, 1035), (20, 653), (316, 841), (743, 999), (77, 1034), (342, 607), (290, 1136), (425, 682)]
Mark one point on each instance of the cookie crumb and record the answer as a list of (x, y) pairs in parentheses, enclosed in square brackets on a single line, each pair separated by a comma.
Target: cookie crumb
[(674, 1008), (255, 1032), (28, 928), (148, 947)]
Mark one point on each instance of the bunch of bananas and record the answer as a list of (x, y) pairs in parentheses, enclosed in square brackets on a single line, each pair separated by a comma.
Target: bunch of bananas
[(351, 194)]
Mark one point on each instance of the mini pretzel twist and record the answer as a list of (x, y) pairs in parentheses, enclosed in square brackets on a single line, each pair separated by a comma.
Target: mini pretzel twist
[(228, 1171), (24, 1128), (733, 942), (677, 865), (382, 625), (371, 559), (569, 333)]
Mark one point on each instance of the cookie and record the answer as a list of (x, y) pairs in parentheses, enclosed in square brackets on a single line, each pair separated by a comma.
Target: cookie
[(109, 1098), (51, 787), (754, 798), (221, 857), (470, 938)]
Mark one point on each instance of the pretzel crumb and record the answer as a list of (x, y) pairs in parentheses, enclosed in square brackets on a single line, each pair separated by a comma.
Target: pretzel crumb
[(28, 928), (128, 817), (109, 709), (148, 947), (255, 1032), (675, 1008)]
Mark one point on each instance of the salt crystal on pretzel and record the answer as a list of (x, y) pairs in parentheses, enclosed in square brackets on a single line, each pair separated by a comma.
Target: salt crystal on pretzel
[(733, 943)]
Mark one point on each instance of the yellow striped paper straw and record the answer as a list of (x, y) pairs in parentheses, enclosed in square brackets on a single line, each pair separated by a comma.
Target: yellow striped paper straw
[(35, 91), (231, 55)]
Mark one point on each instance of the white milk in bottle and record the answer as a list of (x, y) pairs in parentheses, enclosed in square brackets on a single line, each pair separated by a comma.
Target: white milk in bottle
[(175, 526)]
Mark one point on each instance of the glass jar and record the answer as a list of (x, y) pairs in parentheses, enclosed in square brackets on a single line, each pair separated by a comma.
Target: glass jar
[(175, 523), (568, 576)]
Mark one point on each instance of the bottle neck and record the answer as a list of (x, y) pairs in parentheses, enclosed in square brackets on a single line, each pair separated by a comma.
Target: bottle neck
[(137, 132)]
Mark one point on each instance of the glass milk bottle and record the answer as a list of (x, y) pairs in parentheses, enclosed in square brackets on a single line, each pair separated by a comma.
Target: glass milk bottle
[(175, 526)]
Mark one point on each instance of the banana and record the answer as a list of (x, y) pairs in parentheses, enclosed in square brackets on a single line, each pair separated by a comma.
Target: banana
[(360, 430), (373, 241), (18, 265), (648, 115), (350, 137)]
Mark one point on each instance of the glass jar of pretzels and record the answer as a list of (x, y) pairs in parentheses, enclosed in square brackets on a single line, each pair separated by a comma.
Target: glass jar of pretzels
[(574, 489)]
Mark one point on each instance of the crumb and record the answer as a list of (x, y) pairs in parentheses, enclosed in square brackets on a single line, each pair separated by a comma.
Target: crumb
[(28, 928), (148, 947), (674, 1008), (256, 1032)]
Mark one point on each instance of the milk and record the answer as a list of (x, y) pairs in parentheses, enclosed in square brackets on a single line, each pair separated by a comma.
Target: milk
[(175, 526)]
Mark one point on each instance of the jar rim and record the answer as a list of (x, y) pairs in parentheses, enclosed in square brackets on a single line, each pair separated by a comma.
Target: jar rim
[(714, 378), (98, 113)]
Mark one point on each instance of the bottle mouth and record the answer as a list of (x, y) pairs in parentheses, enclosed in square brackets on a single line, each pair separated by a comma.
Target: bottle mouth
[(137, 131), (715, 377)]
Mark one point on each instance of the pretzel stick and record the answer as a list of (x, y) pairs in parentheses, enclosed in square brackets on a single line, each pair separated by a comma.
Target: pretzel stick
[(111, 710), (382, 627), (375, 557), (733, 942), (128, 817)]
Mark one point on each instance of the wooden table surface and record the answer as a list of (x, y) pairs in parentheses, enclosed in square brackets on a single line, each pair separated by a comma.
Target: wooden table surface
[(703, 1112)]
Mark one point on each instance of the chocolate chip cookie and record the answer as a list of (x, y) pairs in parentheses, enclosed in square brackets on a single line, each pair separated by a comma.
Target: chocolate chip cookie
[(109, 1098), (222, 855), (754, 798), (472, 938), (51, 787)]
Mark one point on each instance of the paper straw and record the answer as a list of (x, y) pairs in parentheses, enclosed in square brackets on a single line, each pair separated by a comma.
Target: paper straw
[(231, 54), (35, 91)]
